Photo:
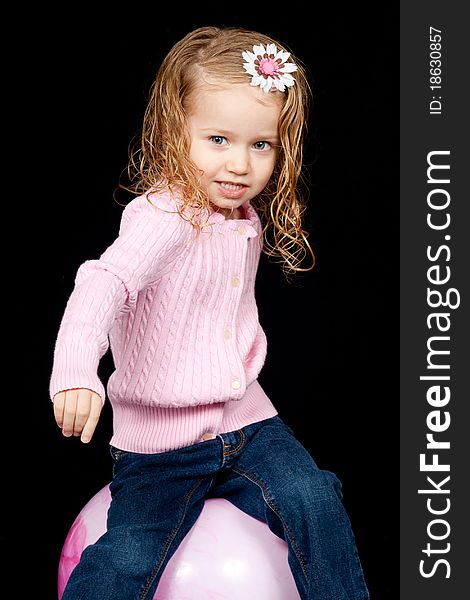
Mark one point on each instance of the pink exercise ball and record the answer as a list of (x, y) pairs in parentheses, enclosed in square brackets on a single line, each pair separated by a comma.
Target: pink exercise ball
[(226, 555)]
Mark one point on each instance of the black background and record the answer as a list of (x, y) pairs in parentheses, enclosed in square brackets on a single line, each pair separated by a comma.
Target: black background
[(332, 366)]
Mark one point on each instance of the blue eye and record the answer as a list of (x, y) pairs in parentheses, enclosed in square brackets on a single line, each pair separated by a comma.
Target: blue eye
[(218, 139), (261, 145)]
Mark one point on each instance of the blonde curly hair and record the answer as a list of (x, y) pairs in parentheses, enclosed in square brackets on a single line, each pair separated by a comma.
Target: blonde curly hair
[(160, 158)]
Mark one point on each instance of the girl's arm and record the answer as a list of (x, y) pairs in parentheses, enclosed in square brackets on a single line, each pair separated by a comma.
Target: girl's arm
[(149, 241)]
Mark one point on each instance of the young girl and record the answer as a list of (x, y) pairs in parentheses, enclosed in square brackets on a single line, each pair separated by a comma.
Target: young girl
[(174, 294)]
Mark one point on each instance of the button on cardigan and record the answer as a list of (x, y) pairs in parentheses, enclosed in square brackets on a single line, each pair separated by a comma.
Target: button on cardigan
[(179, 314)]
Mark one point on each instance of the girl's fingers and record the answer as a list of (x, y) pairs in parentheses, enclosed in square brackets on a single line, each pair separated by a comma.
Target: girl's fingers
[(82, 411), (70, 409), (77, 412), (59, 401), (94, 415)]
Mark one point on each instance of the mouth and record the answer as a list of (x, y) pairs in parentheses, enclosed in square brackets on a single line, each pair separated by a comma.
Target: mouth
[(231, 190)]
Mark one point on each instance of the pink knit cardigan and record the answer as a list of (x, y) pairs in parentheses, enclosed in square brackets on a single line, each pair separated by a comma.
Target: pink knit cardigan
[(178, 311)]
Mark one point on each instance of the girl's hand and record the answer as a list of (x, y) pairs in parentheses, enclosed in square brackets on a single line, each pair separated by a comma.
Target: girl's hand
[(77, 412)]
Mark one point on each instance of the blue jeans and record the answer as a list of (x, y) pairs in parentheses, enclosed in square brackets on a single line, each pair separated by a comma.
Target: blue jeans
[(264, 471)]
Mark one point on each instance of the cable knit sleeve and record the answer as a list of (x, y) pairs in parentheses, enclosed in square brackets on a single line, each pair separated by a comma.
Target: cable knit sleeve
[(149, 241)]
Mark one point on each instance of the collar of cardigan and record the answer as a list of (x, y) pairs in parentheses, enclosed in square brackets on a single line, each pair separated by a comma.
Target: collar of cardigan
[(247, 227)]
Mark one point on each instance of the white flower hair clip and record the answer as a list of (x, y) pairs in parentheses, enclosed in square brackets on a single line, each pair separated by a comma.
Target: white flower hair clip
[(269, 68)]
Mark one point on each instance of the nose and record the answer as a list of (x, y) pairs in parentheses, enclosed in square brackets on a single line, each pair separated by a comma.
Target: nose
[(238, 161)]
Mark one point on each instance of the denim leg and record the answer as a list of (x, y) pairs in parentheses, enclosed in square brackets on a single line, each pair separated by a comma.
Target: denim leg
[(275, 479), (156, 499), (262, 469)]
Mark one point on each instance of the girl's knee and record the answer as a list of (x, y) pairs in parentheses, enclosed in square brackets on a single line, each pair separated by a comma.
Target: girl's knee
[(334, 482), (315, 488)]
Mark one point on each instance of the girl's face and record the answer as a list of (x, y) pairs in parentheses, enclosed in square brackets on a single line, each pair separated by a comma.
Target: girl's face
[(234, 140)]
